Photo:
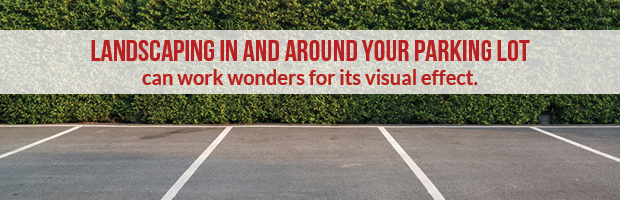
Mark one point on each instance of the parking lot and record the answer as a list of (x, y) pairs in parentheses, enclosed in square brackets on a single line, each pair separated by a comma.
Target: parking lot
[(112, 161)]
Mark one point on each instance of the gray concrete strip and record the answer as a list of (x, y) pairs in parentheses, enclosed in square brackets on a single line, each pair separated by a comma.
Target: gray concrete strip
[(104, 163), (304, 163), (508, 164), (277, 125)]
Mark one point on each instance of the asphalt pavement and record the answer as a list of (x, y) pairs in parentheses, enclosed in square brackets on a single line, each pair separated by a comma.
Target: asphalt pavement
[(112, 161)]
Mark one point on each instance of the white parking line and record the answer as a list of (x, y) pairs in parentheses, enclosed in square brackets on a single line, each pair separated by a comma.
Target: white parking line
[(430, 187), (38, 142), (577, 144), (302, 126), (190, 171)]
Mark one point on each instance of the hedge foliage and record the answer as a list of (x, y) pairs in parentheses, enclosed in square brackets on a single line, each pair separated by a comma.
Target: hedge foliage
[(379, 14), (321, 109), (66, 14), (309, 15)]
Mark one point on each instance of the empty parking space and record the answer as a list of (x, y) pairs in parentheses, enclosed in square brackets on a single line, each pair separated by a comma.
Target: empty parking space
[(102, 163), (508, 163), (12, 138), (303, 163), (606, 140), (308, 162)]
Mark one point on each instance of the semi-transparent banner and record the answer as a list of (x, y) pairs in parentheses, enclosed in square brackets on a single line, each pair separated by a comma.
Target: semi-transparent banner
[(309, 62)]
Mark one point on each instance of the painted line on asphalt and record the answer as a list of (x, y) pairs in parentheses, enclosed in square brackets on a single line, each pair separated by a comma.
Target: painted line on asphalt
[(272, 126), (430, 187), (577, 144), (298, 126), (38, 142), (578, 126), (36, 125), (172, 192), (189, 126)]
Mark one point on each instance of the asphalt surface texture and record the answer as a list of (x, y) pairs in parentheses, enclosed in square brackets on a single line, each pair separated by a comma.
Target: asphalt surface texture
[(111, 161)]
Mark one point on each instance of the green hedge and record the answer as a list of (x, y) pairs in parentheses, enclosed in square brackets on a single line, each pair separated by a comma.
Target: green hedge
[(379, 15), (322, 109), (17, 109), (66, 14), (309, 15)]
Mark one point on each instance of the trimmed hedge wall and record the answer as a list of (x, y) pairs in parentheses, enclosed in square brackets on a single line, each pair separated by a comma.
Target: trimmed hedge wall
[(66, 14), (317, 15), (200, 109), (321, 109), (309, 14)]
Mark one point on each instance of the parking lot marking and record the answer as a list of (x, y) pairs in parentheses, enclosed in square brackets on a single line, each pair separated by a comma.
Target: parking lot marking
[(38, 142), (190, 171), (300, 126), (577, 144), (430, 187)]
